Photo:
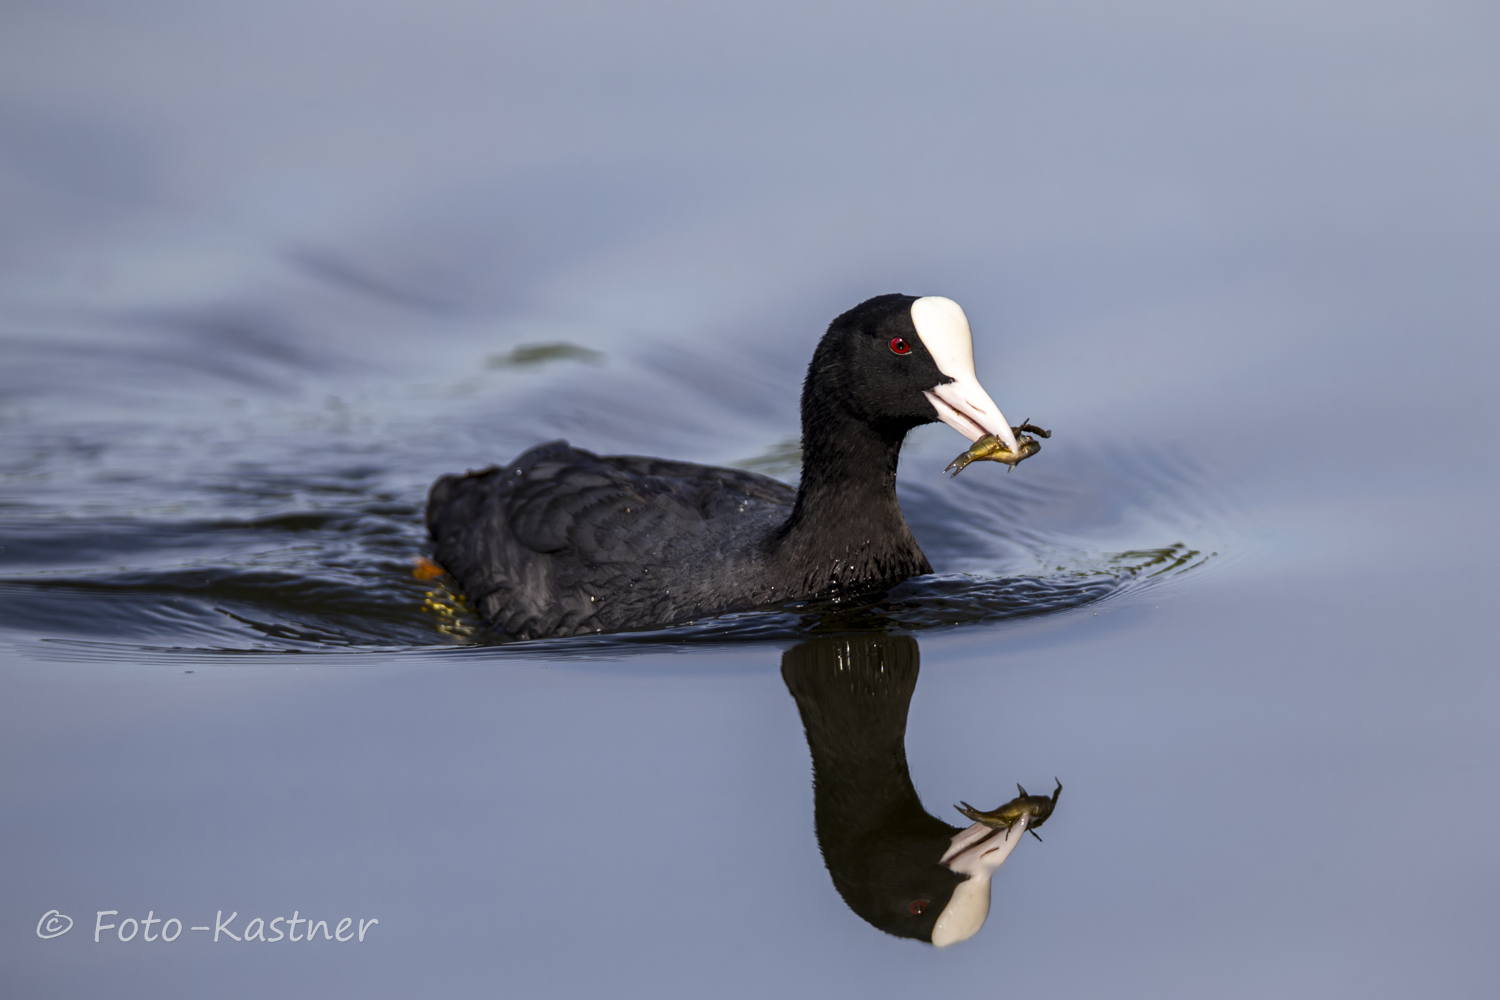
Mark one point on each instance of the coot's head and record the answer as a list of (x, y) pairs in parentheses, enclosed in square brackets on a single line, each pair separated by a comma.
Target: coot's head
[(912, 879), (896, 361)]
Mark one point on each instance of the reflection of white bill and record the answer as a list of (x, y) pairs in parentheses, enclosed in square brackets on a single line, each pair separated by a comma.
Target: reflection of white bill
[(975, 852), (53, 924)]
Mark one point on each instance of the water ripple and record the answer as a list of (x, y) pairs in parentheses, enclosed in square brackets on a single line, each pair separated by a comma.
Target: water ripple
[(287, 519)]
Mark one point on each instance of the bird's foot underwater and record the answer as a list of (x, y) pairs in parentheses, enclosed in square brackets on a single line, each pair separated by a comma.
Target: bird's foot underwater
[(450, 609), (989, 448)]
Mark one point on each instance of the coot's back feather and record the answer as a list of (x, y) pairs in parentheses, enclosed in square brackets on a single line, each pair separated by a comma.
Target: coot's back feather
[(538, 543)]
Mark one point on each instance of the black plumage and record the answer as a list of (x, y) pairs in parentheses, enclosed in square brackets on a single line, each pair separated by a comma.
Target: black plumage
[(882, 849), (563, 541)]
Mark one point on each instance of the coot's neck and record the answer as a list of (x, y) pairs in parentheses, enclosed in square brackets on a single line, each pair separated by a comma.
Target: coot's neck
[(846, 532), (854, 710)]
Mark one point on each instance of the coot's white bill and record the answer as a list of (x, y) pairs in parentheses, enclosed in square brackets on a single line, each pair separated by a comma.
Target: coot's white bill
[(961, 404), (976, 852)]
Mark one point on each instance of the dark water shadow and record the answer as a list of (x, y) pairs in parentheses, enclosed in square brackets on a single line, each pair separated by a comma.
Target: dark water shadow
[(237, 610), (324, 563), (897, 866)]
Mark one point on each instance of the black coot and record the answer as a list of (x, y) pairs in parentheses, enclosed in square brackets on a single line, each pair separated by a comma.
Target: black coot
[(895, 864), (563, 541)]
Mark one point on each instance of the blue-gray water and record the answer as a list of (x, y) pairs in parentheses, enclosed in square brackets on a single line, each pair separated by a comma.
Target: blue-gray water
[(264, 271)]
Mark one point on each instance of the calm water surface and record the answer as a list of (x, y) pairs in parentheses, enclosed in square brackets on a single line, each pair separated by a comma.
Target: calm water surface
[(264, 277)]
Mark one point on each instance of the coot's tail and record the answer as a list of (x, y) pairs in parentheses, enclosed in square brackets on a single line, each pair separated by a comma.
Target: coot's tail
[(468, 520)]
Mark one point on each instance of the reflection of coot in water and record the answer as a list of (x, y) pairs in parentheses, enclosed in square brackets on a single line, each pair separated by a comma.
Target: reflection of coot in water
[(901, 869), (563, 541)]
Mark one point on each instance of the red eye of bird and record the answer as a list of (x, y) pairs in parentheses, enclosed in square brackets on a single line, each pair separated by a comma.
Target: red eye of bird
[(916, 906), (900, 346)]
